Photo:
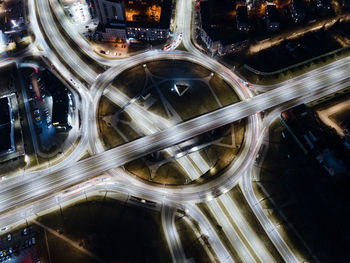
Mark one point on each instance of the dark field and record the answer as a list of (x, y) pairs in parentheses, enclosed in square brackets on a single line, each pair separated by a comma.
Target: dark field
[(110, 229), (294, 51), (314, 202)]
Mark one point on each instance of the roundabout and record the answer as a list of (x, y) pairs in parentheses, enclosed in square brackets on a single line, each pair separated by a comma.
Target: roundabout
[(200, 191), (176, 128), (153, 87)]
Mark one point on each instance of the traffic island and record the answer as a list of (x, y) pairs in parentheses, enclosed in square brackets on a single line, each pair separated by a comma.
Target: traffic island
[(150, 97)]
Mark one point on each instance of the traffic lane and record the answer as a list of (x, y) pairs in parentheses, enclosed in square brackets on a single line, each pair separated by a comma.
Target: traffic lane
[(129, 151)]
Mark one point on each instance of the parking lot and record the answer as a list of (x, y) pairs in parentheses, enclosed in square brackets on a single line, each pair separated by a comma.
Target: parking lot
[(19, 246)]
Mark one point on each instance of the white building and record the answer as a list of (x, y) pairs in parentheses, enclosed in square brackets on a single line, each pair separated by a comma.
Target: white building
[(80, 12)]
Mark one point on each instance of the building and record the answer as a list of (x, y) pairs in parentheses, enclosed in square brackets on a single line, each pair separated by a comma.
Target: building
[(297, 11), (218, 28), (332, 164), (79, 12), (11, 142), (323, 7), (255, 6), (112, 33), (62, 102), (148, 21), (346, 4), (137, 19), (3, 42), (110, 12), (7, 143), (271, 18), (316, 138), (148, 34), (61, 117), (242, 18)]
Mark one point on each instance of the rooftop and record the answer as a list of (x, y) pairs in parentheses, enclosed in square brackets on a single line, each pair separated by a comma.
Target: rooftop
[(5, 125), (272, 13), (61, 99), (152, 13), (5, 111), (219, 21)]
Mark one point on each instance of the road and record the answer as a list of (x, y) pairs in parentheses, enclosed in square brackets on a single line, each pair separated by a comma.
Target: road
[(138, 117), (248, 191), (248, 233), (36, 185), (230, 232), (180, 26), (171, 235), (16, 194), (99, 186)]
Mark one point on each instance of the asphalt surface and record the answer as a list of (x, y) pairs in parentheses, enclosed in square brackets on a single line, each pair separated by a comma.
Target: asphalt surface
[(31, 187)]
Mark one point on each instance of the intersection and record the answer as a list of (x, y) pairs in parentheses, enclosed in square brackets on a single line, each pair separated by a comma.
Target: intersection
[(32, 192)]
